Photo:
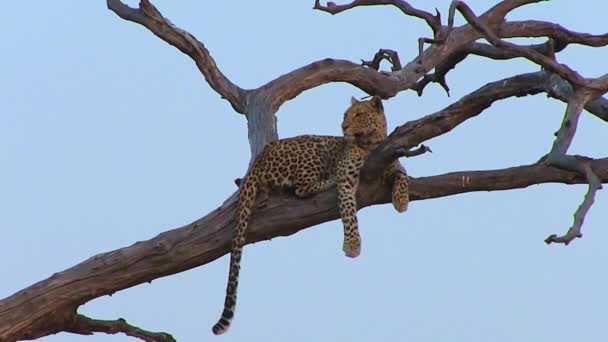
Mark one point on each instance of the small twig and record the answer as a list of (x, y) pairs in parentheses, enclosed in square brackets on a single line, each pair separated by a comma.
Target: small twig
[(428, 78), (403, 152), (384, 54), (375, 62), (84, 325), (574, 232), (433, 21), (393, 58)]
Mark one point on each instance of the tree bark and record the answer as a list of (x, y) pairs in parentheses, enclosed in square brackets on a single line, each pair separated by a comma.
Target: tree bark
[(49, 306)]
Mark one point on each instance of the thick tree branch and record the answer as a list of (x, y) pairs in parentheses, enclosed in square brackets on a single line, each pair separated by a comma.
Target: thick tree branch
[(148, 16), (290, 85), (261, 123), (567, 129), (537, 28), (41, 307), (500, 10), (558, 88)]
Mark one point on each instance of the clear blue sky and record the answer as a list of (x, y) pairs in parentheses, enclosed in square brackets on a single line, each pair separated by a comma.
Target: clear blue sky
[(110, 136)]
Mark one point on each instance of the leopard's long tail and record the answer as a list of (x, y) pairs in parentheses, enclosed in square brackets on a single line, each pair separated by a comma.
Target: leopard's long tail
[(247, 198)]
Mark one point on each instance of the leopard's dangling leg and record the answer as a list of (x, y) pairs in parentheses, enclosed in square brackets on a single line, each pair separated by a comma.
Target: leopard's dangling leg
[(347, 184), (400, 186)]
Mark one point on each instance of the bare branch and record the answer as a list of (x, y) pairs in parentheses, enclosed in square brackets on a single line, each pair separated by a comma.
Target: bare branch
[(557, 88), (84, 325), (384, 54), (583, 166), (558, 157), (433, 21), (561, 69), (414, 152), (500, 10), (536, 28), (560, 38), (569, 124), (387, 85), (148, 16), (478, 49), (290, 85)]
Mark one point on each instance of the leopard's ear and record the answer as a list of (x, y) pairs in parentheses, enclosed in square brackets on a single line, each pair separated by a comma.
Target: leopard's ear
[(353, 100), (377, 101)]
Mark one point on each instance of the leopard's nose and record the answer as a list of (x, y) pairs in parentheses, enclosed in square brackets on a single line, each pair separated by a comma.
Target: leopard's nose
[(344, 126)]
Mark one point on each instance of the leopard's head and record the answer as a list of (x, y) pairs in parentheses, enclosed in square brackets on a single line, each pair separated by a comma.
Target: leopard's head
[(364, 122)]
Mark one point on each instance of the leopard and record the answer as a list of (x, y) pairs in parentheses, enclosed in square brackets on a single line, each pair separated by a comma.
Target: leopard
[(310, 164)]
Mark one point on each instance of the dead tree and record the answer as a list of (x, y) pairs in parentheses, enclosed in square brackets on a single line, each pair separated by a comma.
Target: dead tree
[(50, 305)]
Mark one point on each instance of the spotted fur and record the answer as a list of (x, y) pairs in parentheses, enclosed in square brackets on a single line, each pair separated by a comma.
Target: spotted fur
[(311, 164)]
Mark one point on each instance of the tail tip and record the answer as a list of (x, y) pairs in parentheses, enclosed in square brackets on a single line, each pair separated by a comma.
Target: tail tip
[(219, 328)]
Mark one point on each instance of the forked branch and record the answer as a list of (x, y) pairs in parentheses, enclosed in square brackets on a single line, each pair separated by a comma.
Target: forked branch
[(384, 54), (148, 16), (561, 69), (583, 166), (558, 157)]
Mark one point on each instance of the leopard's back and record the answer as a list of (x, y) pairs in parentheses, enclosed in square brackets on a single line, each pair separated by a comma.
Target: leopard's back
[(288, 162)]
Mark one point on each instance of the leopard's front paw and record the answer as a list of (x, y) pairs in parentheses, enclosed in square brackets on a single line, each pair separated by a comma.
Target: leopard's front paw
[(400, 193), (352, 247), (400, 203)]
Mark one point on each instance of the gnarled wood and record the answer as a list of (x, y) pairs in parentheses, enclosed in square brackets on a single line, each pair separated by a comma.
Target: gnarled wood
[(49, 306)]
